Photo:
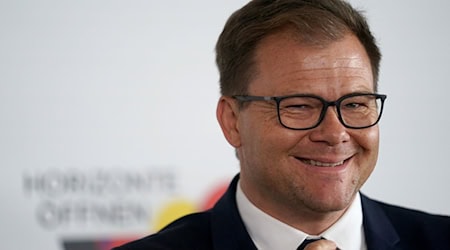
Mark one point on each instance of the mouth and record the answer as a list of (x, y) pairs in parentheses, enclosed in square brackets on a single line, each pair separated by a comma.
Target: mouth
[(321, 164)]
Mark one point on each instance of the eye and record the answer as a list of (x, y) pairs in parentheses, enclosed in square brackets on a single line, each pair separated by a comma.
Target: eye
[(300, 103), (354, 105), (299, 106), (358, 103)]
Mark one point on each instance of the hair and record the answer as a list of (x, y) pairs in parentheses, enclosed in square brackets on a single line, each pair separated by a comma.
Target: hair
[(314, 22)]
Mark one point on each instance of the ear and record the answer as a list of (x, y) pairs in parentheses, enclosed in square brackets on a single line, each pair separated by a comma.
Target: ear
[(228, 115)]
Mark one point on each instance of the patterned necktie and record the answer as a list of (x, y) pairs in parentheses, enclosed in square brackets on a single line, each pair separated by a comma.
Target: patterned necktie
[(306, 242)]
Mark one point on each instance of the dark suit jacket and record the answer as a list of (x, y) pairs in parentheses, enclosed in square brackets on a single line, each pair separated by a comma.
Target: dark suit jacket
[(221, 228)]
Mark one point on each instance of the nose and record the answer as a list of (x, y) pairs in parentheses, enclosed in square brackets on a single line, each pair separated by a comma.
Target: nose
[(330, 131)]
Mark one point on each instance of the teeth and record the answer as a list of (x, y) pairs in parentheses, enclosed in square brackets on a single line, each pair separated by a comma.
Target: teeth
[(323, 164)]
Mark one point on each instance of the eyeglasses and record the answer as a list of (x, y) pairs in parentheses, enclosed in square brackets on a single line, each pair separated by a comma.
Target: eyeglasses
[(301, 112)]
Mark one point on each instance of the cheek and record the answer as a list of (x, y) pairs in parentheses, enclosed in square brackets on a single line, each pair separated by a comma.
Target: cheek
[(266, 140), (256, 128), (368, 140)]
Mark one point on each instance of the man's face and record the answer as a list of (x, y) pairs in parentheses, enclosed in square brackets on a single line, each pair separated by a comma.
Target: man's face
[(286, 172)]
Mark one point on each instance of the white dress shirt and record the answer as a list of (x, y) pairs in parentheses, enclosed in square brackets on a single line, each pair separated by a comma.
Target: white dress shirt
[(269, 233)]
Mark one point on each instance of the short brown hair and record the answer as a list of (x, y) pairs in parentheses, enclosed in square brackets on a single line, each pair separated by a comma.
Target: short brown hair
[(315, 21)]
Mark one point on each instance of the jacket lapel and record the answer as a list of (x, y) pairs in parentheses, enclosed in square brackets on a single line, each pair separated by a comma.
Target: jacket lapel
[(228, 230), (379, 232)]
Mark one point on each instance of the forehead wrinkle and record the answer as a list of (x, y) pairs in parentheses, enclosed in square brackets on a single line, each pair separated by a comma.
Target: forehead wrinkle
[(325, 73), (330, 69), (305, 78), (323, 61)]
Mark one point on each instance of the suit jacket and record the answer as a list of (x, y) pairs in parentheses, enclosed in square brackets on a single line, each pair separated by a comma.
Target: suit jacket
[(221, 228)]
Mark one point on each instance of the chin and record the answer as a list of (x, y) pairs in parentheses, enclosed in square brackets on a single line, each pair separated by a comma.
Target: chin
[(331, 202)]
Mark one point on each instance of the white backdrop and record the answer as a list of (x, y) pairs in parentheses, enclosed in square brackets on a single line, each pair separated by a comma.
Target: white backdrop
[(107, 113)]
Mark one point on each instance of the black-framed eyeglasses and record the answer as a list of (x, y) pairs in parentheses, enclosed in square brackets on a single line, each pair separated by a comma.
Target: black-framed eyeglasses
[(301, 112)]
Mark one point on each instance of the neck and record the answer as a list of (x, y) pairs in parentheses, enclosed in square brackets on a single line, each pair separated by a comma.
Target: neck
[(312, 221)]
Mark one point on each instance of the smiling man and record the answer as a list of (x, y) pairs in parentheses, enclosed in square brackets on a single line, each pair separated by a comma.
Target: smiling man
[(303, 177), (300, 106)]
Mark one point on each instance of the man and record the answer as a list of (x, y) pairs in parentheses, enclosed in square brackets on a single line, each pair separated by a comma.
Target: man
[(300, 105)]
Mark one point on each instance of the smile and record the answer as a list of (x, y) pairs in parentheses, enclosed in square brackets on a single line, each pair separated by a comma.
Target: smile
[(322, 164)]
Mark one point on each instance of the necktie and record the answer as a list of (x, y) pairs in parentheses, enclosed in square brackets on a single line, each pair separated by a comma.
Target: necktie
[(306, 242)]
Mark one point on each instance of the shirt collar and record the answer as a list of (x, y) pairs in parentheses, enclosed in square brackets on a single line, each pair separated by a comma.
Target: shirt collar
[(270, 233), (348, 231)]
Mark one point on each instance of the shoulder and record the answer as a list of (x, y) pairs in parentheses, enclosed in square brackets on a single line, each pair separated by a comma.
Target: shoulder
[(416, 218), (414, 224), (189, 232)]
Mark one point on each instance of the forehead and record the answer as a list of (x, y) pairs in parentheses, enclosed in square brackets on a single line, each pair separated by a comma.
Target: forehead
[(286, 45), (281, 58)]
